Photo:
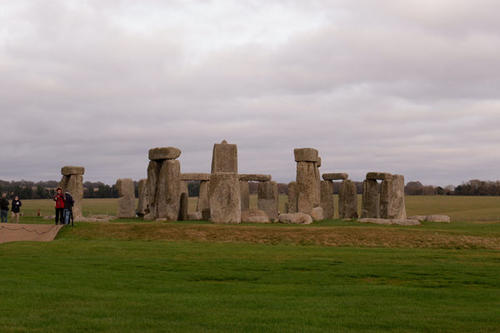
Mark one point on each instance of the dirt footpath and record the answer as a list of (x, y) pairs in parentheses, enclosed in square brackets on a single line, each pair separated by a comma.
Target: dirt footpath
[(11, 232)]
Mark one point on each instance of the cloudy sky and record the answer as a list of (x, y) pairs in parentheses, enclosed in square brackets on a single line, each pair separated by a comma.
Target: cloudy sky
[(409, 87)]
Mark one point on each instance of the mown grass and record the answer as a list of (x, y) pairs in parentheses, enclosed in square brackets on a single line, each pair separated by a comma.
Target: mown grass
[(72, 285)]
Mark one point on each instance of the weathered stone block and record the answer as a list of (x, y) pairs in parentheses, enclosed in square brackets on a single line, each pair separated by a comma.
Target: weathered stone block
[(327, 199), (392, 199), (292, 197), (255, 178), (168, 190), (378, 175), (164, 153), (195, 176), (72, 170), (184, 204), (371, 199), (348, 200), (305, 155), (203, 200), (295, 218), (225, 157), (245, 195), (268, 199), (142, 204), (317, 214), (126, 202), (254, 216), (308, 187), (335, 176), (224, 194)]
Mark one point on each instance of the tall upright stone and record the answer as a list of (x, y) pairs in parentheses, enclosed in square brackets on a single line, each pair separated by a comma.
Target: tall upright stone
[(292, 197), (225, 157), (224, 196), (142, 203), (245, 195), (72, 182), (126, 200), (327, 199), (348, 200), (268, 199), (308, 187), (371, 199), (392, 199), (184, 206), (203, 205), (164, 184)]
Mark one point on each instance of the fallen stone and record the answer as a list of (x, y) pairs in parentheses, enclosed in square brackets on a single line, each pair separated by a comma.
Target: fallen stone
[(195, 176), (305, 155), (295, 218), (420, 218), (317, 214), (164, 153), (72, 170), (335, 176), (390, 221), (378, 175), (255, 178), (254, 216), (438, 218), (195, 216)]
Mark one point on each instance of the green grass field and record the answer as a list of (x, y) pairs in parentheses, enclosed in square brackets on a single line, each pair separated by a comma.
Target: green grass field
[(130, 276)]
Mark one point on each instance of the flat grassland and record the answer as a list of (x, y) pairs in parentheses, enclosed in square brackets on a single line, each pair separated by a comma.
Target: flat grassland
[(129, 276)]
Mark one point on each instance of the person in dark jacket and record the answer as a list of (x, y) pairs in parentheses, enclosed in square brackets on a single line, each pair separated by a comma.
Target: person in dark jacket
[(4, 208), (68, 208), (16, 208), (59, 199)]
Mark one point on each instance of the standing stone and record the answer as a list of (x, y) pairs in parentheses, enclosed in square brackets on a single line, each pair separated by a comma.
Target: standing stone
[(184, 187), (183, 210), (307, 187), (268, 199), (327, 199), (203, 205), (72, 182), (168, 190), (392, 199), (245, 195), (225, 157), (348, 200), (126, 201), (317, 183), (292, 197), (142, 204), (151, 188), (224, 196), (371, 199)]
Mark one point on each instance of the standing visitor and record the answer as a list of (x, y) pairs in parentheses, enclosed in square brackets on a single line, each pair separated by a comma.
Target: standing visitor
[(59, 199), (68, 208), (16, 207), (4, 208)]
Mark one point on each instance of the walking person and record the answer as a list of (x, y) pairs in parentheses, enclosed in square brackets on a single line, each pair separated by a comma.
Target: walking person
[(59, 199), (4, 208), (68, 208), (16, 208)]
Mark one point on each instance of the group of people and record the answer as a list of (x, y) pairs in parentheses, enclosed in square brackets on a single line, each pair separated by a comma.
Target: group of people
[(64, 207), (4, 208)]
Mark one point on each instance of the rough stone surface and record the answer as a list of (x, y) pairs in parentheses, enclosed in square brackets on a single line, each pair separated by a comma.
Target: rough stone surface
[(205, 214), (74, 185), (203, 200), (308, 187), (392, 198), (305, 155), (348, 200), (195, 216), (327, 199), (225, 157), (142, 204), (255, 178), (184, 187), (126, 201), (195, 176), (164, 153), (317, 214), (292, 197), (318, 162), (268, 199), (295, 218), (390, 221), (184, 204), (151, 185), (254, 216), (378, 175), (168, 190), (244, 195), (420, 218), (224, 194), (335, 176), (371, 199), (72, 170), (438, 218)]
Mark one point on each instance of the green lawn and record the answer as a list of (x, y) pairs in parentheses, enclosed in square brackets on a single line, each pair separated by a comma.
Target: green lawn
[(73, 285)]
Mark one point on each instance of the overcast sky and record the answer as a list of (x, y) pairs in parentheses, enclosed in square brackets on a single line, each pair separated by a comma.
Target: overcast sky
[(409, 87)]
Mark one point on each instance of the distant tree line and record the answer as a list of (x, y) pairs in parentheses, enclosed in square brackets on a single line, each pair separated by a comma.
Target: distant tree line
[(46, 189)]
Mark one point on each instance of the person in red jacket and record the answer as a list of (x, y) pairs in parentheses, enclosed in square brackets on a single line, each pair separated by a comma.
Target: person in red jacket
[(59, 199)]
